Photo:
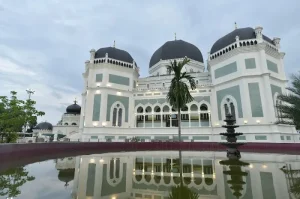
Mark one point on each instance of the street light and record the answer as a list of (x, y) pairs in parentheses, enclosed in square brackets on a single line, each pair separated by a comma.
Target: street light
[(29, 92)]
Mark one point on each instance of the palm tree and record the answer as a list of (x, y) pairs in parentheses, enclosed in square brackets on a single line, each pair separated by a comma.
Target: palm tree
[(179, 95), (288, 108)]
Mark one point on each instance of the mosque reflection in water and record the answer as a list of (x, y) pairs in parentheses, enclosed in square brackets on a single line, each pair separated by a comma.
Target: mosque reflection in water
[(151, 175)]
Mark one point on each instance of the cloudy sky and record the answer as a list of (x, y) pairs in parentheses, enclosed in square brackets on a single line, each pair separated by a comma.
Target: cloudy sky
[(44, 44)]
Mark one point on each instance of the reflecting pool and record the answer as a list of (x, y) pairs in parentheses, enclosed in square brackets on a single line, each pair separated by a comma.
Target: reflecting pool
[(154, 174)]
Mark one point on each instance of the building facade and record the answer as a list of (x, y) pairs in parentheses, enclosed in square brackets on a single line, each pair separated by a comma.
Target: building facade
[(244, 76), (152, 174)]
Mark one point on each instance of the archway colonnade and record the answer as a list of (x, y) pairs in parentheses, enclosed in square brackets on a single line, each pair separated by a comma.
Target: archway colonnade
[(163, 115)]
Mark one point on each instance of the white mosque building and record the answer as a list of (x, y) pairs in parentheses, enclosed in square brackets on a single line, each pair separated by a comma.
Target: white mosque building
[(243, 75), (151, 174)]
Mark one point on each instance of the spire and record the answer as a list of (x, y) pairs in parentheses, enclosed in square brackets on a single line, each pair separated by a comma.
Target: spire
[(175, 36), (235, 25), (75, 101), (114, 43)]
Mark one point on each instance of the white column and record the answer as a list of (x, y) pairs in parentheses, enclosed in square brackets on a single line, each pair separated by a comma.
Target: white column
[(268, 103), (171, 120), (135, 120), (220, 180), (98, 181), (256, 182), (199, 115), (189, 119), (153, 120), (144, 120), (209, 120), (161, 119)]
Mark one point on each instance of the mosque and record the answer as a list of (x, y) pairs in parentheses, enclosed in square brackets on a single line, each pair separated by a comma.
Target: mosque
[(151, 174), (243, 75)]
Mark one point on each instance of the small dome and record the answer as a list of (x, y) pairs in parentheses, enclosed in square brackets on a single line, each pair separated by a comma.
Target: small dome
[(243, 33), (73, 108), (114, 53), (176, 49), (44, 126)]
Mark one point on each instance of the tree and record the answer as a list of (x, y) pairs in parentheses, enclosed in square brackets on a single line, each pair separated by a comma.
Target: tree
[(179, 192), (15, 114), (288, 108), (179, 94), (12, 179)]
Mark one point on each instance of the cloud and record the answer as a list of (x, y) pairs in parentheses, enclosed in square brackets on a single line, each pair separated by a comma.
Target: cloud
[(10, 68)]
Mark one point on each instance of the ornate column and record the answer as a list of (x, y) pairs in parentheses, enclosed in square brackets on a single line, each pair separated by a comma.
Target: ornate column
[(189, 119), (209, 119), (199, 115), (144, 120), (152, 119)]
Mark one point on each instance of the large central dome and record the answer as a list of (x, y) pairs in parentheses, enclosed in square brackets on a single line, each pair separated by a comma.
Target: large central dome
[(73, 108), (176, 49)]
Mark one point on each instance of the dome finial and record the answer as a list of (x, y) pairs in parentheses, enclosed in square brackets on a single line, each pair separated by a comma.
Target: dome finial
[(114, 43), (75, 101), (175, 36), (235, 25)]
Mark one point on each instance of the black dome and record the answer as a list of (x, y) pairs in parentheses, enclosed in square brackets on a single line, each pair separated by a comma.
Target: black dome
[(44, 126), (243, 33), (73, 109), (114, 53), (176, 49)]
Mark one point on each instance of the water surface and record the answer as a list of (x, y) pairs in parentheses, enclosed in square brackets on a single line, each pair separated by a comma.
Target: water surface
[(151, 175)]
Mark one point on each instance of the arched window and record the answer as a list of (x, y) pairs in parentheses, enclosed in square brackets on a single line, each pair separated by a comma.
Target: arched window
[(232, 110), (157, 113), (117, 115), (120, 117), (66, 123), (148, 110), (166, 110), (226, 109), (203, 108), (163, 84), (74, 123), (140, 117), (185, 116)]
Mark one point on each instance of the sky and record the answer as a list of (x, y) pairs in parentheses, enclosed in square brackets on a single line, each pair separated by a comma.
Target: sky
[(44, 44)]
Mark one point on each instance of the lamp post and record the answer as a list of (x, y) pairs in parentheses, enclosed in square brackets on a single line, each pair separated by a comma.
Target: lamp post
[(29, 92)]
